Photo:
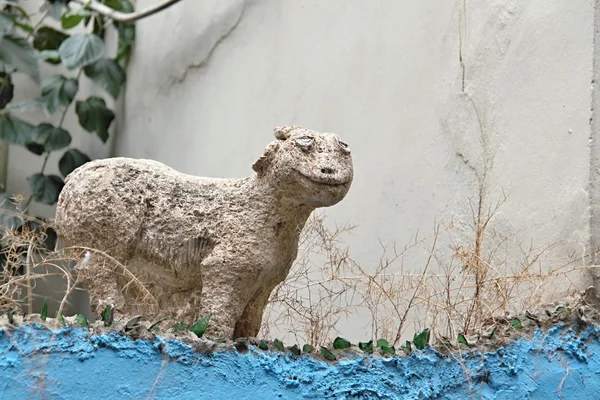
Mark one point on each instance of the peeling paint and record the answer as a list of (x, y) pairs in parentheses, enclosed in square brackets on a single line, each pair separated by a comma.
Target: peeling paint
[(68, 363)]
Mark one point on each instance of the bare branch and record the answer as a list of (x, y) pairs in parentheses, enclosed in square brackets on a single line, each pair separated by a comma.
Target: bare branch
[(125, 17)]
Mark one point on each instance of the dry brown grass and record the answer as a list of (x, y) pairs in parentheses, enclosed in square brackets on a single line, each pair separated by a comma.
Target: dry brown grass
[(455, 289), (29, 261), (433, 282)]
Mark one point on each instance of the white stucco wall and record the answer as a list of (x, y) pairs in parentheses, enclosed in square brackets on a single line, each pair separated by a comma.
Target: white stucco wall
[(210, 79)]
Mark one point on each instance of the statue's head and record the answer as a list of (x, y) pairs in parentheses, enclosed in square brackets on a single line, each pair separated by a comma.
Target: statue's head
[(310, 167)]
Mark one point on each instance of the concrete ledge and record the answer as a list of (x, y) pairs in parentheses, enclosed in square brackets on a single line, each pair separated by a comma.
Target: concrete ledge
[(72, 363)]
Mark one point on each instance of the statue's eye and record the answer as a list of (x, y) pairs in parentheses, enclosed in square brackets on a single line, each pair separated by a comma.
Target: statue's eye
[(305, 141), (344, 145)]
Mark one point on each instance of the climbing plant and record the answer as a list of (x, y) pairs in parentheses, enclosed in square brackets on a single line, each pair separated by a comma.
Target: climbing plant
[(23, 46)]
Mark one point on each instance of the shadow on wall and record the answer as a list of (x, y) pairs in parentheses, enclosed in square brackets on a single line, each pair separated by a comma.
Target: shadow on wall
[(68, 364)]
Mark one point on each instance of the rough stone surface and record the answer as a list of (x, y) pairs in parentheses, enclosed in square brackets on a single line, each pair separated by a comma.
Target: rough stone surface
[(197, 244)]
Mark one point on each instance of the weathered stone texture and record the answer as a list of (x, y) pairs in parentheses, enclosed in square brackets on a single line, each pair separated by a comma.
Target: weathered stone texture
[(197, 244)]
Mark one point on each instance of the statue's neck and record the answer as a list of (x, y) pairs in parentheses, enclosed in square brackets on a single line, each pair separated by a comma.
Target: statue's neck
[(281, 207)]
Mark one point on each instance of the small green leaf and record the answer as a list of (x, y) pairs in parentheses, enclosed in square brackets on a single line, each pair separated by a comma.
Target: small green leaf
[(278, 344), (47, 38), (263, 345), (44, 312), (179, 327), (94, 116), (421, 340), (367, 347), (200, 326), (80, 50), (107, 315), (71, 160), (408, 346), (45, 188), (72, 18), (340, 343), (156, 325), (294, 350), (16, 53), (57, 93), (60, 318), (462, 339), (82, 320), (51, 56), (387, 350), (7, 22), (516, 323), (107, 74), (307, 348), (55, 8), (14, 130), (50, 137), (35, 148), (328, 355), (382, 342), (562, 311), (7, 89)]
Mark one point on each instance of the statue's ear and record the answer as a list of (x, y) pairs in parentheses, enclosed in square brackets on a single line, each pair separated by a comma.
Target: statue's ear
[(283, 132), (262, 164)]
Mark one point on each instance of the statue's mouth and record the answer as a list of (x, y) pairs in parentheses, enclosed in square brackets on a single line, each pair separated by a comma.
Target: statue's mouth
[(324, 180)]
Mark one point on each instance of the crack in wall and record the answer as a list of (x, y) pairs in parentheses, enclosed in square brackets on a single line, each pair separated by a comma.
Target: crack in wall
[(202, 63), (594, 177)]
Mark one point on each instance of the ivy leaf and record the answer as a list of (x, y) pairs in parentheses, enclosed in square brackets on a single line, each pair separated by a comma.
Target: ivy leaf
[(278, 344), (6, 89), (47, 38), (387, 350), (516, 323), (44, 312), (80, 50), (50, 137), (94, 116), (367, 347), (328, 355), (421, 339), (60, 318), (45, 188), (35, 148), (55, 8), (307, 348), (382, 342), (50, 56), (72, 18), (6, 22), (71, 160), (340, 343), (263, 345), (57, 93), (107, 74), (82, 320), (14, 130), (294, 350), (408, 346), (462, 339), (179, 327), (16, 53), (107, 315), (156, 325), (200, 327)]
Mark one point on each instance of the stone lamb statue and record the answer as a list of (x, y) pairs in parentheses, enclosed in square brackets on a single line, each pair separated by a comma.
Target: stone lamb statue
[(199, 245)]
